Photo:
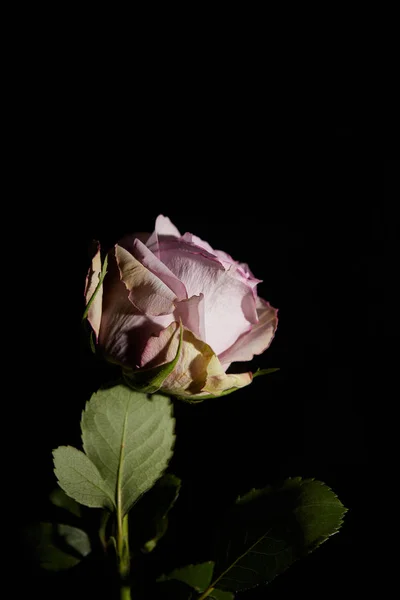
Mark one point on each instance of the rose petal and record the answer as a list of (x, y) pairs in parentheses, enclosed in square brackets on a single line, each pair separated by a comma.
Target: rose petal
[(147, 292), (190, 373), (218, 384), (257, 339), (92, 280), (158, 349), (241, 269), (191, 312), (218, 381), (162, 272), (124, 329), (198, 371), (169, 244), (196, 241), (127, 241), (163, 227), (229, 303)]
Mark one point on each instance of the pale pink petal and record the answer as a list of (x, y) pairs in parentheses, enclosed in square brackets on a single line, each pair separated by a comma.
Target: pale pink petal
[(241, 270), (196, 241), (225, 258), (124, 329), (229, 303), (146, 291), (191, 312), (163, 227), (257, 339), (160, 270), (159, 348), (169, 244), (92, 280), (244, 271), (127, 241)]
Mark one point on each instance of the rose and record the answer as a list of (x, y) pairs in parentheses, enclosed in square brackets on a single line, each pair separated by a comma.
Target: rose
[(176, 312)]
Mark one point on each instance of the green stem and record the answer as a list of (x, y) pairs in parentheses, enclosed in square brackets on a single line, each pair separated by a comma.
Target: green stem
[(123, 555), (206, 593), (126, 592)]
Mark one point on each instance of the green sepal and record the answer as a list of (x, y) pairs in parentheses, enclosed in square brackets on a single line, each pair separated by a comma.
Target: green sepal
[(265, 371)]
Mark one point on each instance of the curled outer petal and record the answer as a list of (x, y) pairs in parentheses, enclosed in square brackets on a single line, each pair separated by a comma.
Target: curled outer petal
[(124, 328), (147, 291), (257, 339), (94, 292), (198, 373)]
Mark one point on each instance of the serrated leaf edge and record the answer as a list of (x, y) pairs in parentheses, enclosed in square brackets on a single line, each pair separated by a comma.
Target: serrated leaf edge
[(310, 550)]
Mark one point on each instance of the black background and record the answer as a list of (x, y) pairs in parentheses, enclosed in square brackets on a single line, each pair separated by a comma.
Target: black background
[(305, 208)]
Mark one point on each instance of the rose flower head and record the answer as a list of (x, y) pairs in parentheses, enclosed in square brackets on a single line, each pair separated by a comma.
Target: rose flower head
[(174, 313)]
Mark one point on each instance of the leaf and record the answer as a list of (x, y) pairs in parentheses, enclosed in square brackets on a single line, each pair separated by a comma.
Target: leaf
[(59, 498), (80, 479), (57, 547), (173, 590), (221, 595), (265, 372), (75, 538), (149, 517), (271, 528), (197, 576), (151, 380), (128, 436)]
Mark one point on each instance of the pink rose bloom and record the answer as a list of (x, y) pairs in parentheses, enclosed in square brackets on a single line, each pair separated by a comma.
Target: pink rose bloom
[(156, 284)]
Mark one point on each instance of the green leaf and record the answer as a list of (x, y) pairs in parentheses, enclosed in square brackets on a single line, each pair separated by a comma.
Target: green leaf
[(151, 380), (264, 372), (98, 286), (75, 538), (271, 528), (221, 595), (128, 436), (80, 479), (57, 547), (197, 576), (59, 498), (173, 590), (149, 517)]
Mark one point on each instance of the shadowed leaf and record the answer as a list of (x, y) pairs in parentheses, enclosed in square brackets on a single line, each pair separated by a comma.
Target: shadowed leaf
[(149, 517), (196, 576), (271, 528), (57, 547)]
